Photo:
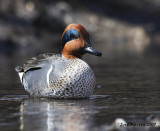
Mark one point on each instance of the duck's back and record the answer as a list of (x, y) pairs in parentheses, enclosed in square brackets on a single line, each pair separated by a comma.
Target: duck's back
[(52, 75)]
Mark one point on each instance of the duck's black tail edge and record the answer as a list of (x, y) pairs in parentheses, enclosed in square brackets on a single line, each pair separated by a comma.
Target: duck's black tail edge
[(19, 69)]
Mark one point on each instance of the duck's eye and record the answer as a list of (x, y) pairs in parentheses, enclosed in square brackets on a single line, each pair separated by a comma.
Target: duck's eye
[(74, 37)]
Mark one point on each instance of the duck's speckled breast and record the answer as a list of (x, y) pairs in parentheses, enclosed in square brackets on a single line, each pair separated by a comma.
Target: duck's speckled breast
[(76, 79), (63, 78)]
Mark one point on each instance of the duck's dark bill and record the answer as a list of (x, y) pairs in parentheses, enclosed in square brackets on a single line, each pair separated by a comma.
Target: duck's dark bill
[(89, 49), (92, 51)]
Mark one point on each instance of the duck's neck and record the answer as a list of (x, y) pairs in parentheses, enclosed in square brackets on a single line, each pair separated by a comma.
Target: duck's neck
[(70, 55)]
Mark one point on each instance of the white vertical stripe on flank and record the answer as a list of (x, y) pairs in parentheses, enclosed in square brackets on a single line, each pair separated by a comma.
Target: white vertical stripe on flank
[(48, 73)]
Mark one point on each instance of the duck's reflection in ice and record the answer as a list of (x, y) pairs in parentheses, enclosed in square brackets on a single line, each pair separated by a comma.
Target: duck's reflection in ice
[(68, 115)]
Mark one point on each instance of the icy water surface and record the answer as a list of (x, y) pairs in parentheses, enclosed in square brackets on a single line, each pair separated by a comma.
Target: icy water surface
[(127, 88)]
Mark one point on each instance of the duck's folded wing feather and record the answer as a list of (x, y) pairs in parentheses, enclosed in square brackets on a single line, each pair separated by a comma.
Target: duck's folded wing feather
[(36, 63)]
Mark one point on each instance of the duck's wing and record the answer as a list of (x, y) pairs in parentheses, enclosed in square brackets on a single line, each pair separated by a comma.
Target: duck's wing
[(36, 63)]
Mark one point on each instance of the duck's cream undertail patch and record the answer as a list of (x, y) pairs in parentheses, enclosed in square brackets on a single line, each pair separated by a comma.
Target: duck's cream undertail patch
[(20, 76)]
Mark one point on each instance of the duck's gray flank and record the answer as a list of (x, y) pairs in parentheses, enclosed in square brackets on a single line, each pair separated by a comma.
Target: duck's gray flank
[(65, 78)]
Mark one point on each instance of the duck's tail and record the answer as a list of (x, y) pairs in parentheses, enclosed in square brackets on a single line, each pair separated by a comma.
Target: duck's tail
[(19, 69)]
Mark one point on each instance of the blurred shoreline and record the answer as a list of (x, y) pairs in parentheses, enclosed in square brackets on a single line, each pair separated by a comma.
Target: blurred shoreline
[(118, 29)]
